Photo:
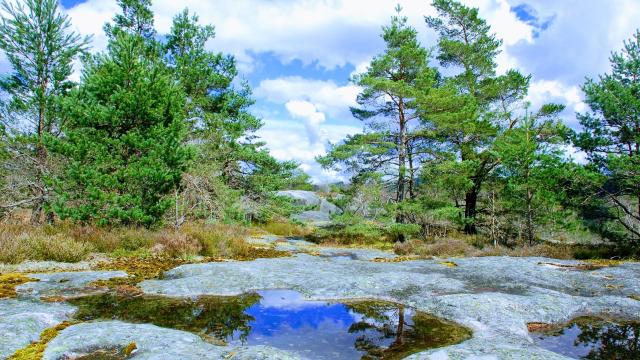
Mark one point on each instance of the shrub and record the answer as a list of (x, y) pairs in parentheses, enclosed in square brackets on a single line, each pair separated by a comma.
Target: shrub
[(219, 240), (55, 247), (177, 244), (286, 229)]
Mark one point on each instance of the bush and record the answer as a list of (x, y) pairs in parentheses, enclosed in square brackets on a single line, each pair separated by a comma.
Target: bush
[(286, 229), (177, 245), (55, 247), (219, 240)]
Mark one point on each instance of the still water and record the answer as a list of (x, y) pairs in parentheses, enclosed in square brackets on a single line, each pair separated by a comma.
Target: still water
[(593, 339), (283, 319)]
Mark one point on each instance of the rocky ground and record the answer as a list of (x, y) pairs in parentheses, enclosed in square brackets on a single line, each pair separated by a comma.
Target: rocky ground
[(493, 296)]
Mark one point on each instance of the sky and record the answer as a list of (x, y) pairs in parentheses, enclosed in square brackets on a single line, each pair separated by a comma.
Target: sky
[(298, 55)]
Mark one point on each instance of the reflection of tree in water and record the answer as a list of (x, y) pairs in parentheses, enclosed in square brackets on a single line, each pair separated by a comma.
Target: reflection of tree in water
[(610, 341), (390, 331), (215, 316)]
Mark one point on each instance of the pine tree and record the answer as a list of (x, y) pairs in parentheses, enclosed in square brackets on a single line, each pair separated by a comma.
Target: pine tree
[(611, 133), (474, 106), (390, 86), (136, 19), (125, 140), (40, 46), (219, 118), (529, 156)]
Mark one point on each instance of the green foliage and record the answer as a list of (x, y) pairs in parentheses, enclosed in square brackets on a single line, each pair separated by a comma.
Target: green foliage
[(124, 138), (217, 112), (387, 106), (472, 107), (530, 159), (610, 136), (40, 46)]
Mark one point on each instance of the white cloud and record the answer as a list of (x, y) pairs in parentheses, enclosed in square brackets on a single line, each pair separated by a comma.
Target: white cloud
[(325, 95), (286, 140), (313, 118), (544, 91)]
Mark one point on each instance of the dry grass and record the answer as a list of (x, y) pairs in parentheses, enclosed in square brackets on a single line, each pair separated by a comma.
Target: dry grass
[(287, 229), (65, 242), (468, 247)]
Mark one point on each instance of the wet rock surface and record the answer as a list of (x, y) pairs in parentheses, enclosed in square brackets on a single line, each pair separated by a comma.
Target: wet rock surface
[(152, 342), (495, 297), (22, 321), (64, 284)]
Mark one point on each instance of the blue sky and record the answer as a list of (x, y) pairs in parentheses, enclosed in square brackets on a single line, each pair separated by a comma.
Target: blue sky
[(298, 55)]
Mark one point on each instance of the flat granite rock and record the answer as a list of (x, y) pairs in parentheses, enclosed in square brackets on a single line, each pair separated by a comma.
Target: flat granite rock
[(494, 296), (22, 321), (63, 283), (152, 342)]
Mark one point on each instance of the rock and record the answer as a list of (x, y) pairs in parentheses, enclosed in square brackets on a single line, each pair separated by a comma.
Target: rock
[(64, 283), (324, 209), (42, 266), (494, 296), (152, 342), (22, 321)]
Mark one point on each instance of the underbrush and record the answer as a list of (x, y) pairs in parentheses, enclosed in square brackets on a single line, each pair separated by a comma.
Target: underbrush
[(66, 242), (285, 228), (474, 246)]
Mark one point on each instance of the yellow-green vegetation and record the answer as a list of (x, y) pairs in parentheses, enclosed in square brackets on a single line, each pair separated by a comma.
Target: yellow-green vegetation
[(8, 283), (470, 246), (286, 228), (35, 350), (66, 242), (634, 297), (448, 263)]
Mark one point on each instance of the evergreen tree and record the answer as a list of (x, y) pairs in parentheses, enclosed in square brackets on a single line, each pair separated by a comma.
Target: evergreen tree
[(529, 157), (125, 138), (219, 118), (474, 106), (40, 47), (136, 19), (611, 134), (390, 86)]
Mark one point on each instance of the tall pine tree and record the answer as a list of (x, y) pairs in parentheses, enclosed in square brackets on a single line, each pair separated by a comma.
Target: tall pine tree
[(391, 85), (40, 46), (611, 134), (474, 106), (125, 140)]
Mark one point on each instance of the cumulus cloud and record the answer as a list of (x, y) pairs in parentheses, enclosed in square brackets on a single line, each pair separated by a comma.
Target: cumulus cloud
[(312, 117), (324, 94), (286, 140), (558, 42)]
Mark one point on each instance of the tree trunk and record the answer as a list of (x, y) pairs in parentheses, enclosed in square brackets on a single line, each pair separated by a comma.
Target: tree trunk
[(470, 210), (402, 158), (400, 329), (530, 231), (411, 172)]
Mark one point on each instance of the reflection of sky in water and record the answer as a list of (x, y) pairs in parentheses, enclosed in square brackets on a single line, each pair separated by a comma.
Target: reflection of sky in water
[(565, 343), (315, 329)]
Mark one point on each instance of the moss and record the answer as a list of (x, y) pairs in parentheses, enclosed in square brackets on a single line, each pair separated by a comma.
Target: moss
[(9, 281), (448, 263), (400, 259), (261, 252), (138, 268), (35, 350), (634, 297)]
